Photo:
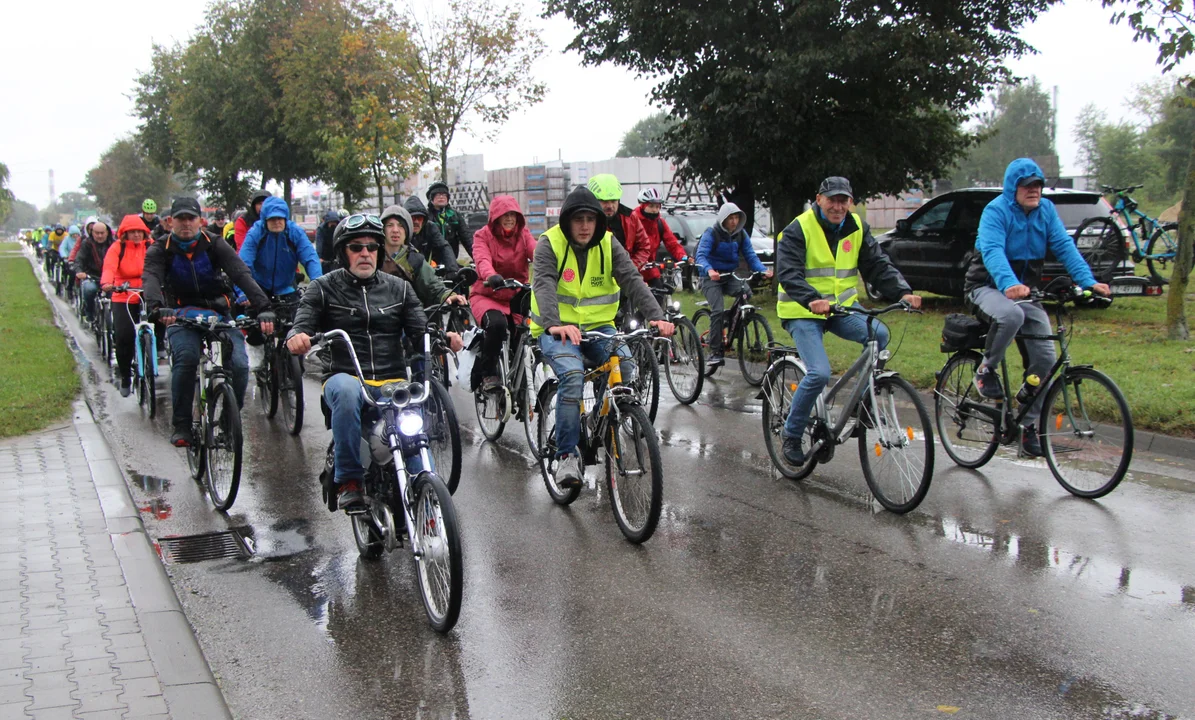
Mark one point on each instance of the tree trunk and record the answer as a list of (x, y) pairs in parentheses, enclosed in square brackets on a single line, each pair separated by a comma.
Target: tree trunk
[(377, 181), (287, 187), (1176, 317), (444, 163)]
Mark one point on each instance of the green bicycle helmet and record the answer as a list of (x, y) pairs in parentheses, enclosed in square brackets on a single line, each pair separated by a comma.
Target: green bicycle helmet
[(605, 187), (149, 206)]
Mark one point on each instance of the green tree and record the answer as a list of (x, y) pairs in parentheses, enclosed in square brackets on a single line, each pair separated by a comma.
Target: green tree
[(1169, 23), (775, 98), (6, 196), (21, 215), (643, 139), (1171, 132), (1114, 153), (1020, 123), (474, 69), (68, 203), (125, 176)]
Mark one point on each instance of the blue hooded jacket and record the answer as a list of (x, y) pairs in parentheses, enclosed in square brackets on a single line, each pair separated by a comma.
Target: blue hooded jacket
[(1013, 244), (720, 250), (273, 257)]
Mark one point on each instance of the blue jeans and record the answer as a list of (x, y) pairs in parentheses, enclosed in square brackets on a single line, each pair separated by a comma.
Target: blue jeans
[(186, 347), (807, 335), (89, 288), (568, 362), (342, 393)]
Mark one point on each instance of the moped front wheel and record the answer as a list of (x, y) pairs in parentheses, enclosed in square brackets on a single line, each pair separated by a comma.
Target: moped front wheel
[(439, 563)]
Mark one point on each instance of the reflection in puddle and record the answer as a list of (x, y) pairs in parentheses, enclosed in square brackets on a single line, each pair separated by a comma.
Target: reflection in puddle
[(154, 486), (150, 483), (281, 540)]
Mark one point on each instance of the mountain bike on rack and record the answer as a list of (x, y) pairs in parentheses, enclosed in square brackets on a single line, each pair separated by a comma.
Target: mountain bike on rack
[(1154, 241), (743, 327)]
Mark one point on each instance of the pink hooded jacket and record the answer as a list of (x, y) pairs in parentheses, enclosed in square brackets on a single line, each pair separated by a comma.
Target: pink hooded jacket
[(495, 255)]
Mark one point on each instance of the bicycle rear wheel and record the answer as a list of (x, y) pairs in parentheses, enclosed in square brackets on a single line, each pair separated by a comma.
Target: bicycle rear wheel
[(443, 435), (1086, 432), (535, 374), (1162, 250), (685, 362), (289, 382), (968, 436), (1101, 244), (779, 383), (896, 445), (546, 440), (752, 344), (491, 408), (439, 564), (647, 374), (634, 473), (223, 447), (701, 324)]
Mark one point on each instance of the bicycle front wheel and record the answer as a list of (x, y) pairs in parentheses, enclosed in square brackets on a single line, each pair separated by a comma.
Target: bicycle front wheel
[(1161, 251), (290, 391), (443, 435), (269, 375), (752, 344), (223, 448), (701, 323), (147, 394), (685, 362), (968, 436), (896, 445), (1086, 432), (546, 440), (647, 375), (439, 564), (196, 457), (779, 383), (634, 473)]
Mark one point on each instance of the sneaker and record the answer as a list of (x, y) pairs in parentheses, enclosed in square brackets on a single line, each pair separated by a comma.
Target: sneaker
[(182, 437), (1030, 442), (126, 387), (987, 382), (715, 361), (793, 455), (348, 494), (490, 384), (568, 472)]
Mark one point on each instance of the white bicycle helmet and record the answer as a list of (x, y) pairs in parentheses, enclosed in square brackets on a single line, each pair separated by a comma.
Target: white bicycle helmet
[(650, 195)]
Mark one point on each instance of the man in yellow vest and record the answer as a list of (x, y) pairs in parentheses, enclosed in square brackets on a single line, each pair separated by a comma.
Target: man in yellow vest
[(579, 271), (818, 261)]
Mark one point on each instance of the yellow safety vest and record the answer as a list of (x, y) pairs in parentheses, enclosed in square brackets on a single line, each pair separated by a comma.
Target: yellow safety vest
[(834, 276), (590, 301)]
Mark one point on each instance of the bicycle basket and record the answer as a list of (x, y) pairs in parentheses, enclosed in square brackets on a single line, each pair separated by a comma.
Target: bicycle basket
[(963, 332)]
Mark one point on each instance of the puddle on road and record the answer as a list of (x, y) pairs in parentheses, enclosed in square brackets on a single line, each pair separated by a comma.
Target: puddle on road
[(282, 540), (155, 487)]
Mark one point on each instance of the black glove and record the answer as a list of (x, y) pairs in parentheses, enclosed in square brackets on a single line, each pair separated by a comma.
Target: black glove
[(266, 316), (495, 281)]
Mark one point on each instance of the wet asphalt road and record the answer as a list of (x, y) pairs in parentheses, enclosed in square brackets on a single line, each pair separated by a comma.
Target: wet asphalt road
[(1000, 597)]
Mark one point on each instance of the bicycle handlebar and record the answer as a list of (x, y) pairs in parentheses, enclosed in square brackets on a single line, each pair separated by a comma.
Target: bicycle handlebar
[(215, 322), (595, 335), (853, 310), (1108, 189)]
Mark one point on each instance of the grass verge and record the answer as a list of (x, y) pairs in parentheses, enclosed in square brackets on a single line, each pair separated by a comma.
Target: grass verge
[(38, 382), (1126, 341)]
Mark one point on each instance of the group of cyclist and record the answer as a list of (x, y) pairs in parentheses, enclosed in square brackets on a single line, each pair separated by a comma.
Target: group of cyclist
[(374, 277)]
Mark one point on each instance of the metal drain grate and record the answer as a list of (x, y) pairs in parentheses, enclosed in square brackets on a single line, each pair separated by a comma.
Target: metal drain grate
[(208, 546)]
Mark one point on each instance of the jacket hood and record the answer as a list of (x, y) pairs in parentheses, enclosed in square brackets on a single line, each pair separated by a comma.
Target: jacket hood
[(274, 207), (251, 216), (499, 206), (726, 211), (415, 206), (331, 217), (581, 198), (1017, 171), (438, 187), (91, 230), (400, 212)]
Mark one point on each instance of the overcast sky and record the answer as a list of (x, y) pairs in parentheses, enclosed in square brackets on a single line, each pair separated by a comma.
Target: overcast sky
[(65, 106)]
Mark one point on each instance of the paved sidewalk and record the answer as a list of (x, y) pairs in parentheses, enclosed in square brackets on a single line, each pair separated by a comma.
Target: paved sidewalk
[(90, 626)]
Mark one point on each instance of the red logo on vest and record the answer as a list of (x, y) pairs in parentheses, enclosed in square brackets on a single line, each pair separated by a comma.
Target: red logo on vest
[(846, 245), (569, 275)]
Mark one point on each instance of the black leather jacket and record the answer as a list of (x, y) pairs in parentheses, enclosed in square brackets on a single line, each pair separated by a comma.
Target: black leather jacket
[(375, 312)]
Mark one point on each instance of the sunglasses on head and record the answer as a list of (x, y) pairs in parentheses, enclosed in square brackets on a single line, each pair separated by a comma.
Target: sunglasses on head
[(359, 247), (355, 221)]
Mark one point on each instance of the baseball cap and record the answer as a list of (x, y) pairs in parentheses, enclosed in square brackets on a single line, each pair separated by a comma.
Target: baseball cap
[(185, 206), (835, 185)]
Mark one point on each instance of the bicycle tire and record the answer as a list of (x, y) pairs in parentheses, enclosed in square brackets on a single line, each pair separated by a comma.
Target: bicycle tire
[(701, 323), (196, 457), (1107, 249), (780, 382), (1162, 249), (528, 393), (647, 375), (969, 438), (546, 425), (109, 335), (619, 480), (490, 408), (290, 392), (752, 348), (685, 351), (1055, 436), (269, 371), (147, 389), (223, 448), (444, 435), (881, 431), (440, 541)]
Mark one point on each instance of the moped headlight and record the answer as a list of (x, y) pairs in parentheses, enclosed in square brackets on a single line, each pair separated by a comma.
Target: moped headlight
[(410, 424)]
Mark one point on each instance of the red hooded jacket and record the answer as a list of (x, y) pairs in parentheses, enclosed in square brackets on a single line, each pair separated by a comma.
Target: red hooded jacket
[(652, 228), (495, 253), (126, 259)]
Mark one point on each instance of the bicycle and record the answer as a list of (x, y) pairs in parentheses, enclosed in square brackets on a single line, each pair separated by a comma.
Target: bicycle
[(885, 413), (613, 419), (1085, 429), (216, 450), (145, 356), (393, 486), (454, 318), (682, 355), (280, 376), (745, 328), (102, 326), (519, 376), (442, 428), (1104, 237)]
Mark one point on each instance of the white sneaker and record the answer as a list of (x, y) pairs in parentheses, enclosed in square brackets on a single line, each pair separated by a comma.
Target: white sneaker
[(568, 471)]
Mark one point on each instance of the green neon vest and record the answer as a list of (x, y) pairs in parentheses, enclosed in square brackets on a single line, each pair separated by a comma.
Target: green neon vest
[(833, 276), (587, 302)]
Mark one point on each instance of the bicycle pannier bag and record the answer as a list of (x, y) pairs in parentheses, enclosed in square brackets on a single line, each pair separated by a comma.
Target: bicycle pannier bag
[(962, 332)]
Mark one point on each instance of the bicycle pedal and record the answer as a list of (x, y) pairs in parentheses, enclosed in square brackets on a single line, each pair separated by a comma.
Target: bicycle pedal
[(357, 510)]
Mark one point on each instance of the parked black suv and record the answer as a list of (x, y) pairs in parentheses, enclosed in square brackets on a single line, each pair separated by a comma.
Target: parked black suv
[(933, 246)]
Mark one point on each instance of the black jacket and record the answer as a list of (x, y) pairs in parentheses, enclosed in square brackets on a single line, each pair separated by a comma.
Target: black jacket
[(90, 258), (174, 278), (375, 313), (874, 265), (452, 227), (428, 241), (323, 245)]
